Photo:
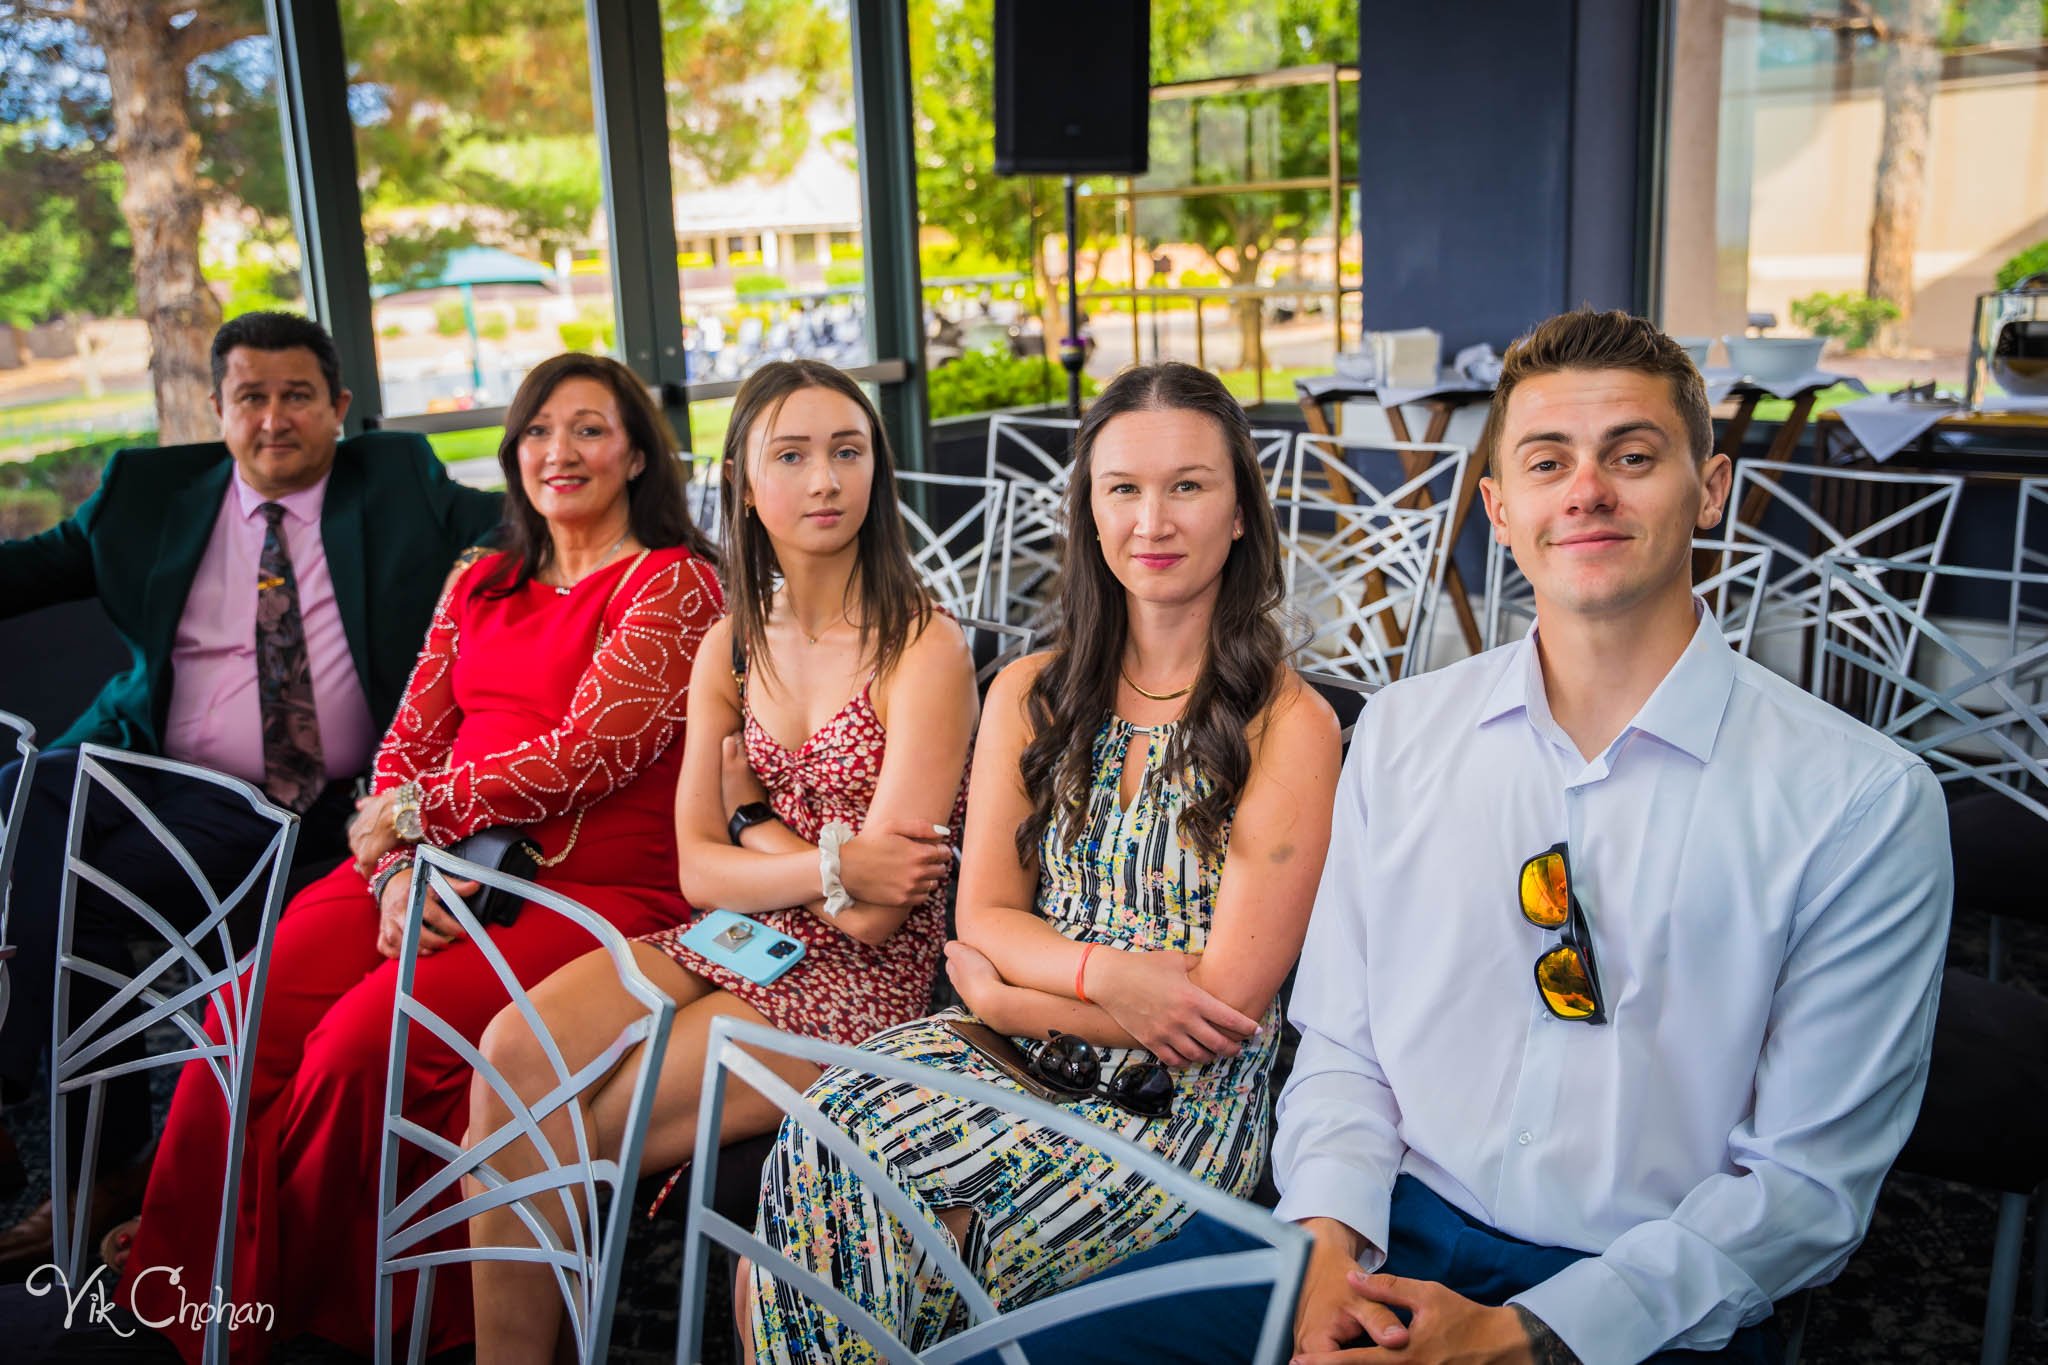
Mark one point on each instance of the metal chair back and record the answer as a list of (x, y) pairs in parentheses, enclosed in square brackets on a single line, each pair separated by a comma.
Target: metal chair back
[(1327, 475), (593, 1188), (1277, 1264), (171, 991), (1362, 580), (995, 646), (10, 834), (1808, 514), (1034, 457), (954, 557), (1975, 715)]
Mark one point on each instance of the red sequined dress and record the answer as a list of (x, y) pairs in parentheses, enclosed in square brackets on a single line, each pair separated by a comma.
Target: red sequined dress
[(516, 714)]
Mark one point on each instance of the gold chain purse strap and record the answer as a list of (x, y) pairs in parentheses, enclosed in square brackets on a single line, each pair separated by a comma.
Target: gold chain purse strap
[(577, 827)]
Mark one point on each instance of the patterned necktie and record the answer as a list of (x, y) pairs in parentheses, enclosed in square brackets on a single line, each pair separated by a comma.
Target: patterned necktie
[(293, 772)]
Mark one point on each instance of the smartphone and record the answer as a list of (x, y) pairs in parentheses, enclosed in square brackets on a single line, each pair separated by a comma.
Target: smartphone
[(744, 945)]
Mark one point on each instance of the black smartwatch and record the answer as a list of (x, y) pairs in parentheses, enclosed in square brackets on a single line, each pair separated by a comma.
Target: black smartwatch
[(747, 816)]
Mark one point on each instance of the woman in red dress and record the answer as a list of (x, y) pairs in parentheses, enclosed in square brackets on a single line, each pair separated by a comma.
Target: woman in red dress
[(550, 694), (848, 699)]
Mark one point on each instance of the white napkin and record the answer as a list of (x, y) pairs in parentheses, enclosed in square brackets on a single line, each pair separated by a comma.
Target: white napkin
[(1884, 426), (1724, 379)]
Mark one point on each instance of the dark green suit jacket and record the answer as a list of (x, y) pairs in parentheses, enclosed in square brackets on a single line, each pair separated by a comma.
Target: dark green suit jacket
[(392, 523)]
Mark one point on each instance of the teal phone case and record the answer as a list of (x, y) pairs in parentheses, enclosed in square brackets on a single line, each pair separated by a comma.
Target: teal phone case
[(744, 945)]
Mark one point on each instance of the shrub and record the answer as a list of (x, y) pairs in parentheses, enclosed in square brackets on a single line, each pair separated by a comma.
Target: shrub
[(577, 334), (448, 318), (391, 330), (981, 381), (526, 317), (693, 260), (2029, 262), (494, 325), (1848, 317), (846, 251), (845, 273), (60, 478), (746, 286)]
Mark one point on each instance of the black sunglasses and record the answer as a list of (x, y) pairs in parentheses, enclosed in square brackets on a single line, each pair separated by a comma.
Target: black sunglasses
[(1072, 1066), (1566, 976)]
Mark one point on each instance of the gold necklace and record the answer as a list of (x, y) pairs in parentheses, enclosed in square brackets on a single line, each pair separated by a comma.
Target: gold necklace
[(1156, 696), (821, 630)]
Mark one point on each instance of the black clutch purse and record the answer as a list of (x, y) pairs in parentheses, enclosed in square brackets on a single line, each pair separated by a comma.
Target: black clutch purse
[(502, 848)]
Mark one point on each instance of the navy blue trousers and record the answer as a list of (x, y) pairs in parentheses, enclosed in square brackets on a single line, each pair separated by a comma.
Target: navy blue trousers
[(1431, 1240)]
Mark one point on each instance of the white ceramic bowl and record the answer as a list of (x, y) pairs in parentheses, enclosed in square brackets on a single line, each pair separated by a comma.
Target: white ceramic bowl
[(1773, 359), (1696, 347)]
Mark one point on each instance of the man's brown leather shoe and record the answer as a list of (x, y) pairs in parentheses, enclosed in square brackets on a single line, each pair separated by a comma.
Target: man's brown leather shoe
[(32, 1241)]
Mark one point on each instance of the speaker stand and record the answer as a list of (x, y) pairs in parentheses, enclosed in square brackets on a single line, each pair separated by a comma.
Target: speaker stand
[(1072, 353)]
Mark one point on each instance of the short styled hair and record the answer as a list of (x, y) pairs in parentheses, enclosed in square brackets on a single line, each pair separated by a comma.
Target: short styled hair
[(1584, 339), (278, 332)]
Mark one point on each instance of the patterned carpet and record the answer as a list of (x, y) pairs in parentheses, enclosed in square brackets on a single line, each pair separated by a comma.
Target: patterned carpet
[(1914, 1292)]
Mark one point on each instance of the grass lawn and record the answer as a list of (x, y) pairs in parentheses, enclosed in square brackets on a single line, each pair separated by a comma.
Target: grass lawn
[(479, 443), (57, 409)]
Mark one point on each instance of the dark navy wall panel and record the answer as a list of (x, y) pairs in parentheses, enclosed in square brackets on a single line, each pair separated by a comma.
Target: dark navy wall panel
[(1498, 149)]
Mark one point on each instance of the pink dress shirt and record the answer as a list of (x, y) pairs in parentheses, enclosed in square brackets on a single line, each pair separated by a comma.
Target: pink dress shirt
[(216, 717)]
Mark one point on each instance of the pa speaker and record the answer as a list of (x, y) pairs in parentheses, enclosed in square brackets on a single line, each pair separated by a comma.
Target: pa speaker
[(1073, 86)]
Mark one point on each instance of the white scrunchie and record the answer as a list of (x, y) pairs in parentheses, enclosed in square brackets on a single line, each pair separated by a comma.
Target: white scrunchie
[(830, 839)]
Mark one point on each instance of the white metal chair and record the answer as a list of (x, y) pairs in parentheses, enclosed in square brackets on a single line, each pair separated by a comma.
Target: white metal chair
[(1362, 579), (954, 558), (1421, 476), (1033, 456), (1807, 514), (1274, 447), (1734, 591), (1276, 1261), (995, 646), (1975, 719), (10, 835), (594, 1189), (172, 990)]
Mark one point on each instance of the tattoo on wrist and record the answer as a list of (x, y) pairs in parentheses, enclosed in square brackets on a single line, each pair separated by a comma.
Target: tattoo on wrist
[(1544, 1346)]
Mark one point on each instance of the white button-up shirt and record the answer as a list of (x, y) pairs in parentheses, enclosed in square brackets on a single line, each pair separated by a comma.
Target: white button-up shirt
[(1768, 886)]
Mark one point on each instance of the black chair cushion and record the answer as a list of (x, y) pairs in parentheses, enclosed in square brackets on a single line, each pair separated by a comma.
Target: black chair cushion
[(1996, 842), (1985, 1119)]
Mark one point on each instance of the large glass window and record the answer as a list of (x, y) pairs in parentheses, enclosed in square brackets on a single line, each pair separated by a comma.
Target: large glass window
[(482, 189), (1855, 170), (104, 330), (766, 170), (1232, 253)]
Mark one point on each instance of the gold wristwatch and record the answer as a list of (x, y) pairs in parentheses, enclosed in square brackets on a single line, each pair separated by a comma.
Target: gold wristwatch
[(405, 813)]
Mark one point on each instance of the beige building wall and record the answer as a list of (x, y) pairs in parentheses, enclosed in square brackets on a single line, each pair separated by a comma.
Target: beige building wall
[(1810, 185)]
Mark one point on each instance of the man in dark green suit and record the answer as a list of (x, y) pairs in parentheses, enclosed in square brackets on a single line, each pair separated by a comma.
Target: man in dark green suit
[(273, 590)]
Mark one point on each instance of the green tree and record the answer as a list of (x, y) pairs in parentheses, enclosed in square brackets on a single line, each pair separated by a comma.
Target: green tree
[(118, 75), (1266, 135), (63, 246)]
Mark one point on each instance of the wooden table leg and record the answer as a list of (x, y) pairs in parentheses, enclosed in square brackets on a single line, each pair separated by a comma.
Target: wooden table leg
[(1318, 420)]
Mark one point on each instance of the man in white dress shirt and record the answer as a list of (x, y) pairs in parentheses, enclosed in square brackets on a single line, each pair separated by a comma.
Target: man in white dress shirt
[(1618, 996)]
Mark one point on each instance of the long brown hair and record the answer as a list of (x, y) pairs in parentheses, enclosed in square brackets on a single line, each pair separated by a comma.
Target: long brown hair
[(657, 507), (1075, 693), (894, 606)]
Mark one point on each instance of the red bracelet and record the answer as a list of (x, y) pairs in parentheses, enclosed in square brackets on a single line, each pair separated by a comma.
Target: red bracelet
[(1081, 994)]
